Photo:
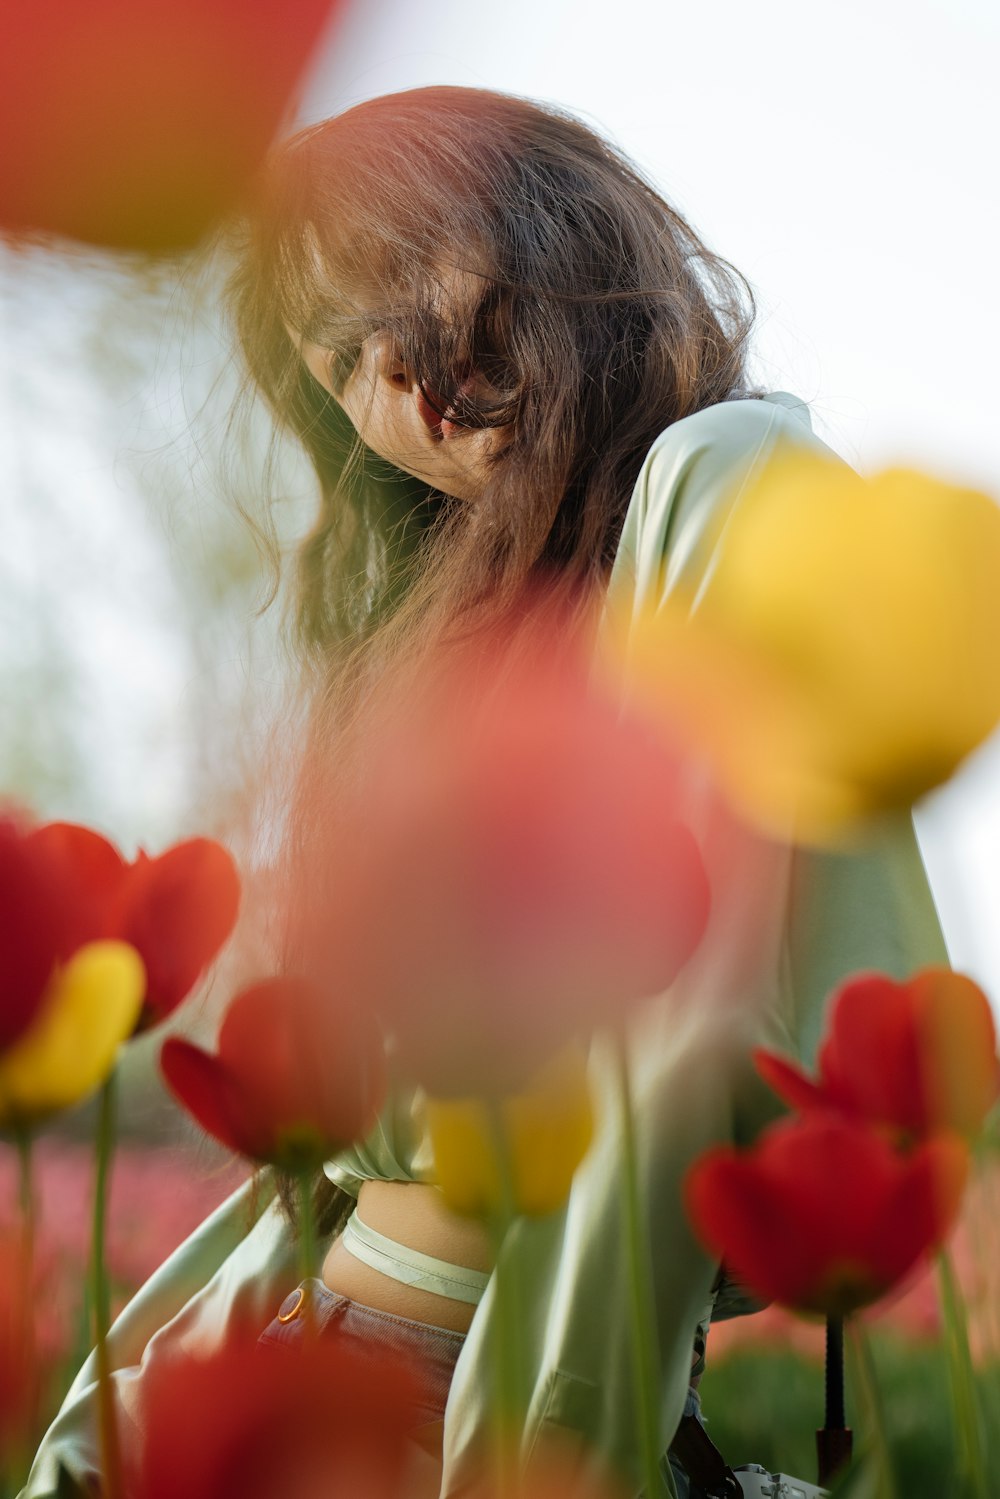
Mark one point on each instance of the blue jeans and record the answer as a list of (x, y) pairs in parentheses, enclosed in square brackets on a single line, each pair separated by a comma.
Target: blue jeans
[(430, 1351)]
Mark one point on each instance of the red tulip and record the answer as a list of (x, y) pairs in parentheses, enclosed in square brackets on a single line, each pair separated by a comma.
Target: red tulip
[(514, 871), (253, 1422), (90, 873), (29, 930), (822, 1214), (177, 910), (295, 1079), (63, 886), (57, 882), (918, 1057), (136, 125)]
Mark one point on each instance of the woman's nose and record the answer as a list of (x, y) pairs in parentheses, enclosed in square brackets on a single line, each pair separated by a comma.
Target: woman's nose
[(391, 366)]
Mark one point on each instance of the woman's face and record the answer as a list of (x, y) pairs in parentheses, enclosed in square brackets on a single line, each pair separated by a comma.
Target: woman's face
[(393, 417)]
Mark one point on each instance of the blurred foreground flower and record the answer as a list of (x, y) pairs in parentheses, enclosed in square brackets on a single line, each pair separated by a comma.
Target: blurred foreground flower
[(514, 870), (89, 1008), (839, 660), (21, 1372), (294, 1080), (822, 1214), (137, 125), (253, 1422), (536, 1138), (917, 1057)]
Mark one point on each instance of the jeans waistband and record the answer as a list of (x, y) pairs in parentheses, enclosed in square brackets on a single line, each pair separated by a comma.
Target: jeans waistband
[(431, 1351)]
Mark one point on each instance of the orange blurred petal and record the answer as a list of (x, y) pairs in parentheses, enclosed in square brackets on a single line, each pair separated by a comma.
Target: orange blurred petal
[(138, 125)]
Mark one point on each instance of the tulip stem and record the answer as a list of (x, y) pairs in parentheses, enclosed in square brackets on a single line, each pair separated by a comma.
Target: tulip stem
[(100, 1292), (25, 1187), (834, 1417), (968, 1419), (642, 1304), (23, 1303), (508, 1401), (26, 1197), (870, 1405), (308, 1250), (834, 1440)]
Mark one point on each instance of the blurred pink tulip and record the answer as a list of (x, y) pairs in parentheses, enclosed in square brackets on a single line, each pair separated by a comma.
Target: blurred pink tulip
[(514, 871)]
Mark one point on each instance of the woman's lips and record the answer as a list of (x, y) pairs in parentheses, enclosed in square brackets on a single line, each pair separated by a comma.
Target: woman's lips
[(431, 409), (439, 426), (429, 415)]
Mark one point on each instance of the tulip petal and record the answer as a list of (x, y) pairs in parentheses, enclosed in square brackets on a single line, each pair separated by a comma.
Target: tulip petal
[(136, 126), (177, 910), (87, 871), (547, 1131), (29, 930), (89, 1009), (822, 1214), (816, 667), (923, 1205), (956, 1050), (917, 1056), (295, 1078), (203, 1085), (792, 1085), (313, 1066), (331, 1421), (736, 1212), (529, 844), (870, 1060)]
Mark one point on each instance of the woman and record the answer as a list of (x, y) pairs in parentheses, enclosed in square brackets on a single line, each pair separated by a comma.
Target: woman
[(509, 360)]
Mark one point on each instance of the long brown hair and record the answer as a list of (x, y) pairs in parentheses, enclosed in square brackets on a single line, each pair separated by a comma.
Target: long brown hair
[(599, 314), (596, 312)]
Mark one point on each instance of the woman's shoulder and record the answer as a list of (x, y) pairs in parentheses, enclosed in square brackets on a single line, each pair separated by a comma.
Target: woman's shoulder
[(692, 471), (738, 432)]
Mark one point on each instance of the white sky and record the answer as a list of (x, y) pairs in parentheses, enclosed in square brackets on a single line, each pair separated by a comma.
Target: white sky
[(845, 159)]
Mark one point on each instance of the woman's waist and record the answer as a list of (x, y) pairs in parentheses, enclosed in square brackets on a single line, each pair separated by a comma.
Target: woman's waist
[(405, 1253)]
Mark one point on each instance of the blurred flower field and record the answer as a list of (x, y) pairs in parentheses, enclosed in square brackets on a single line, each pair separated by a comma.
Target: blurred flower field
[(159, 1194)]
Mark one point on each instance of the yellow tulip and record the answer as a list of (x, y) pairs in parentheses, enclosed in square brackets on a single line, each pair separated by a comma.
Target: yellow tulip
[(839, 657), (544, 1132), (91, 1006)]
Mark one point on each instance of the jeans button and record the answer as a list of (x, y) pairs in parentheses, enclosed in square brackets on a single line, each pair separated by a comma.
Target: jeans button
[(292, 1305)]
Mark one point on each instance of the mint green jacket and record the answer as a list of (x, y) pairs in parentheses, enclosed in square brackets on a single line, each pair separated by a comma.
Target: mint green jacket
[(779, 941)]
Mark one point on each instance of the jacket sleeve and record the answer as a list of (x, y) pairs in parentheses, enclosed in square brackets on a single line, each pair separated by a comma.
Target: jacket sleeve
[(786, 926), (239, 1263)]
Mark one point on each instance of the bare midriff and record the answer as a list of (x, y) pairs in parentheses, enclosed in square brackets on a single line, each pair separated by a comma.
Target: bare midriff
[(414, 1214)]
